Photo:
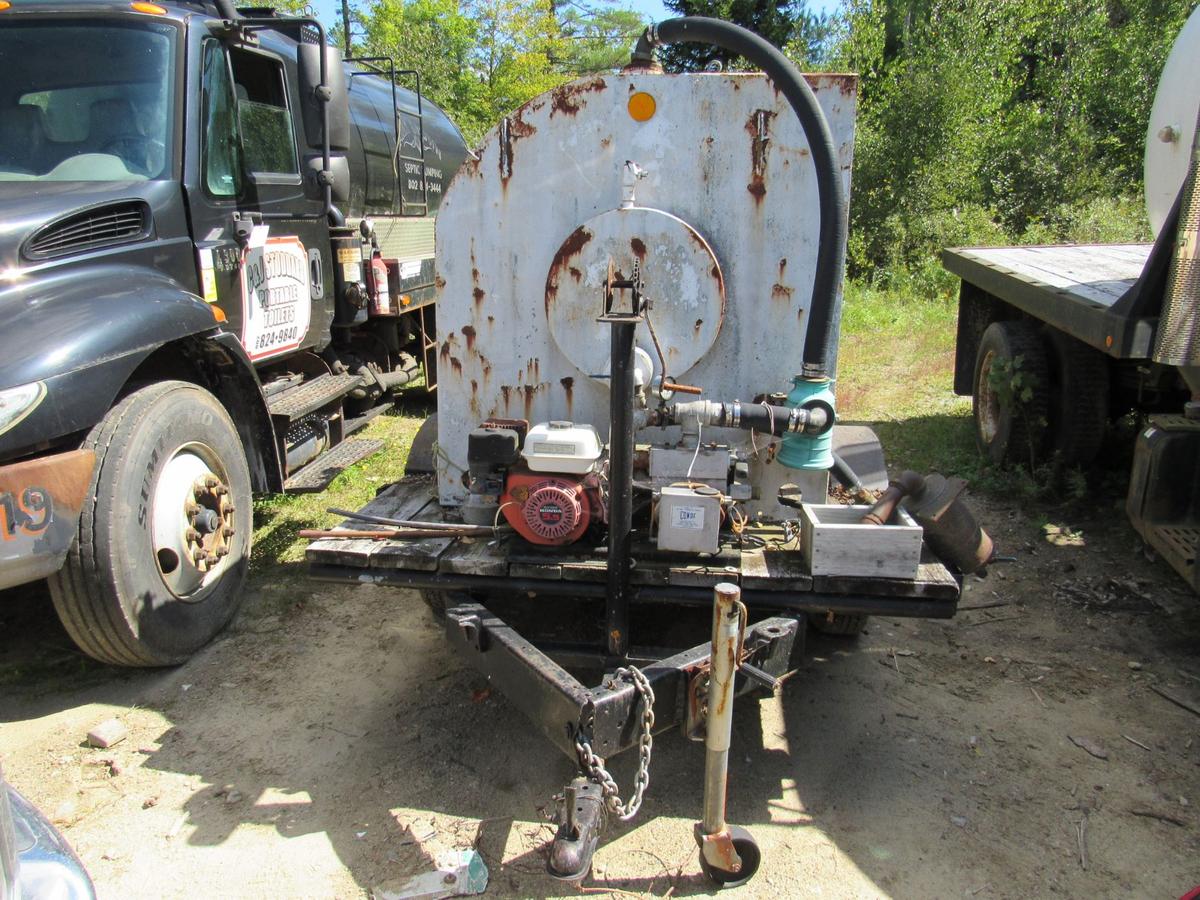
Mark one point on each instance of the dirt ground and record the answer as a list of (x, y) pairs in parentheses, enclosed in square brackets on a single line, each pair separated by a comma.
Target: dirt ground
[(328, 745)]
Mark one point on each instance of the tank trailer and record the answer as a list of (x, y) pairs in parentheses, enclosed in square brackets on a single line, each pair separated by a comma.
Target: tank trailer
[(628, 524)]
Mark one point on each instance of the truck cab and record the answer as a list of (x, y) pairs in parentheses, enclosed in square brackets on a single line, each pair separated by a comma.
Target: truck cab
[(213, 270)]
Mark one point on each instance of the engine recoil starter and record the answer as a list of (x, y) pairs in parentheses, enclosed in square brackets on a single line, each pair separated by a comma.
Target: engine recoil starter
[(546, 509)]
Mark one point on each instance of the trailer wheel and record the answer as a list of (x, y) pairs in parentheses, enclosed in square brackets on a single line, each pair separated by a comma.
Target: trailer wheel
[(1078, 399), (747, 851), (844, 624), (164, 538), (437, 601), (1010, 395)]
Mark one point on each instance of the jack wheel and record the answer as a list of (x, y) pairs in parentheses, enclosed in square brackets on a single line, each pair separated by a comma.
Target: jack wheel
[(747, 849)]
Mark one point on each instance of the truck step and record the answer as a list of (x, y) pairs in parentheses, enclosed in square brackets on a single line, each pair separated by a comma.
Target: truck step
[(326, 467), (297, 402), (1179, 545), (358, 422)]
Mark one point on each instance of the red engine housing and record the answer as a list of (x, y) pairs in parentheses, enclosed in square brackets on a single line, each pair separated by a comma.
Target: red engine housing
[(546, 509)]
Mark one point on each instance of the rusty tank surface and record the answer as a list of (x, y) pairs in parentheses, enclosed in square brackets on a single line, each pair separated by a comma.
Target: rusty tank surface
[(720, 225)]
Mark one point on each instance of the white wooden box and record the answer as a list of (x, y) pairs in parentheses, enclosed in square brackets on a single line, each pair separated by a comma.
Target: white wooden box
[(836, 543)]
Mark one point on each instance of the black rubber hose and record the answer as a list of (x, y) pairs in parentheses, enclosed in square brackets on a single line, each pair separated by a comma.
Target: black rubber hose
[(846, 475), (831, 250)]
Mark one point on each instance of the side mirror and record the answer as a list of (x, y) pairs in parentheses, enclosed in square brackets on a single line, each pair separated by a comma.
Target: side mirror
[(339, 166), (309, 61)]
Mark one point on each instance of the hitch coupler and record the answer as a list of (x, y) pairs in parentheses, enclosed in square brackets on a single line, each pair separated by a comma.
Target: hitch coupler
[(728, 854)]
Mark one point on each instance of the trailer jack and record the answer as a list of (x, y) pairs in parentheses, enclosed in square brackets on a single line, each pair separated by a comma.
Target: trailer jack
[(728, 853)]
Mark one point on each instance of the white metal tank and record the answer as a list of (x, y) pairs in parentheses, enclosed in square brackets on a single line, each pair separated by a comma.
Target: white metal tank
[(1173, 121), (722, 228)]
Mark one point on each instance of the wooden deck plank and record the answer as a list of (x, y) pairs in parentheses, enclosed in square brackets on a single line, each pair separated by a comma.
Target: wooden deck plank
[(765, 569), (1096, 274), (418, 554), (474, 556), (402, 500)]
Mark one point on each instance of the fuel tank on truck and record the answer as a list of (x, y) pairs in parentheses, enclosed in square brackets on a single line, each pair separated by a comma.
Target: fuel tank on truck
[(717, 215)]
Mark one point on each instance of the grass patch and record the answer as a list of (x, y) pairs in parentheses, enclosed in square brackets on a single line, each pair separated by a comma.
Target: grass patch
[(896, 372)]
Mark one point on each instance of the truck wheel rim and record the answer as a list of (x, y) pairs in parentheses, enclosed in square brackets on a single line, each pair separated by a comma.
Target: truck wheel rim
[(988, 415), (192, 521)]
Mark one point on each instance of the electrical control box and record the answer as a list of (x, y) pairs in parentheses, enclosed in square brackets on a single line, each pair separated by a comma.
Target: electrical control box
[(689, 519)]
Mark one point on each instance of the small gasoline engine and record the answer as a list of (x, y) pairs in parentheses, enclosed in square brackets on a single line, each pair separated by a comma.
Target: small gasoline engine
[(545, 480)]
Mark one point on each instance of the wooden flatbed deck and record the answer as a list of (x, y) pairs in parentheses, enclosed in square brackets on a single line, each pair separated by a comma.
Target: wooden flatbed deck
[(778, 567), (1078, 288)]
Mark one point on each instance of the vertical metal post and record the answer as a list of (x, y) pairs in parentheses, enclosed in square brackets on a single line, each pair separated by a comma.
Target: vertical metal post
[(726, 628), (620, 507), (345, 25)]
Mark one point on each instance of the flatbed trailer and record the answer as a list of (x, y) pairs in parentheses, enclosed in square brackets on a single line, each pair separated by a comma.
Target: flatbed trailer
[(1084, 290), (479, 576)]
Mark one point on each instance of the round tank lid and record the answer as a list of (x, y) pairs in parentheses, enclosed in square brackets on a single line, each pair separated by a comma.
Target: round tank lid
[(678, 272)]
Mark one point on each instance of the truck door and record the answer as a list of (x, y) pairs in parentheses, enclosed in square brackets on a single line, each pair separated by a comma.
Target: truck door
[(262, 239)]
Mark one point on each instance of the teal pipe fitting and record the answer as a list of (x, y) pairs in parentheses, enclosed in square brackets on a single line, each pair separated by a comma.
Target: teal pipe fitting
[(801, 450)]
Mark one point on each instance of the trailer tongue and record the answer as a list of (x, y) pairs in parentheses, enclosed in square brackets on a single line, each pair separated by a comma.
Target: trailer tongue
[(625, 586)]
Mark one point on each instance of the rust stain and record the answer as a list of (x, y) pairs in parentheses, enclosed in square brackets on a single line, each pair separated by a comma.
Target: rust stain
[(506, 394), (533, 370), (697, 326), (456, 365), (781, 292), (512, 129), (570, 98), (491, 320), (530, 390), (720, 280), (638, 247), (576, 274), (474, 388), (469, 333), (568, 384), (478, 295), (571, 247), (604, 142), (782, 265), (759, 128)]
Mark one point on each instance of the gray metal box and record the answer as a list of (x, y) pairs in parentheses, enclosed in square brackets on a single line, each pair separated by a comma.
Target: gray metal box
[(689, 520)]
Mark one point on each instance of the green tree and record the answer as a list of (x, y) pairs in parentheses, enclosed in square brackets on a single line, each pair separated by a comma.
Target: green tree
[(598, 38), (779, 21), (984, 121), (479, 59)]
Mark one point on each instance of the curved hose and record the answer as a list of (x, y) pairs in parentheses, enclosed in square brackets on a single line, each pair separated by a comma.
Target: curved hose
[(831, 249)]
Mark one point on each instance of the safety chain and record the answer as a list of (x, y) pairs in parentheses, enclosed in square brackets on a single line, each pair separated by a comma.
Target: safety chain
[(593, 765)]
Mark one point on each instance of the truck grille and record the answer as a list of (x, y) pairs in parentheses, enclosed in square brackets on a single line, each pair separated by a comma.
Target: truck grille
[(101, 226)]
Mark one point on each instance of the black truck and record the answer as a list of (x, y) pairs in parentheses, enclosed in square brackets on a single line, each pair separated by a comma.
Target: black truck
[(216, 262)]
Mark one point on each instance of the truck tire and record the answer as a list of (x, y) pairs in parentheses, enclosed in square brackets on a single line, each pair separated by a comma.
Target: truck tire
[(164, 537), (1009, 432), (1078, 399)]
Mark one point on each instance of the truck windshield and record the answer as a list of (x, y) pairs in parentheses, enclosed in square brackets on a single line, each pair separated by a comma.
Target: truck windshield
[(86, 101)]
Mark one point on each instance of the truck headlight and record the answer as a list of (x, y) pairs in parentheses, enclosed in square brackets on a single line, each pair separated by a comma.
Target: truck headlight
[(18, 402)]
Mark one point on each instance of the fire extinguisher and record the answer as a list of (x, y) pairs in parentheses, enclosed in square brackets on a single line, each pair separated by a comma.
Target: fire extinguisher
[(378, 287)]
